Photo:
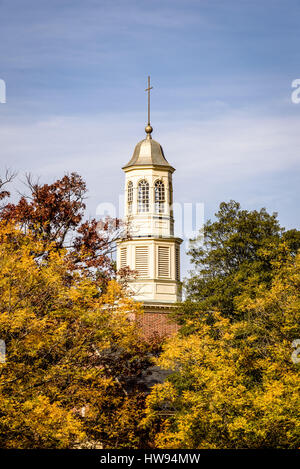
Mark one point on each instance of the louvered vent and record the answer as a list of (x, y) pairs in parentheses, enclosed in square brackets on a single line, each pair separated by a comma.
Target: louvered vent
[(177, 261), (164, 261), (142, 261), (123, 258)]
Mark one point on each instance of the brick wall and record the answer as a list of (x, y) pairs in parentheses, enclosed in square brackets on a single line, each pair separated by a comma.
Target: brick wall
[(157, 323)]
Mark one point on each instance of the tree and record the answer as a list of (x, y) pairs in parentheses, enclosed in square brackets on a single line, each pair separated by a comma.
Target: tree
[(54, 213), (234, 384), (7, 179), (238, 246), (69, 350)]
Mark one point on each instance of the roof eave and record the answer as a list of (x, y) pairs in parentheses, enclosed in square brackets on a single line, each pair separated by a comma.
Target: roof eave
[(148, 166)]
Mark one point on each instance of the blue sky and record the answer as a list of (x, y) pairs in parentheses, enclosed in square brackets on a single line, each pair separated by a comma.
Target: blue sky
[(76, 71)]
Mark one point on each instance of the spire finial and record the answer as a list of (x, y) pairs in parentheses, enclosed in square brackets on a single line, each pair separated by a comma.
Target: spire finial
[(148, 128)]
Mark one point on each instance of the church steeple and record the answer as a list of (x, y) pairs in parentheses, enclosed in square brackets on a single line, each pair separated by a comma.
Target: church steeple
[(152, 249)]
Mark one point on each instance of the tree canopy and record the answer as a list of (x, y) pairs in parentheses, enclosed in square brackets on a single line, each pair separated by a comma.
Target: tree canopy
[(73, 352), (232, 255), (68, 347), (234, 384), (71, 345), (55, 213)]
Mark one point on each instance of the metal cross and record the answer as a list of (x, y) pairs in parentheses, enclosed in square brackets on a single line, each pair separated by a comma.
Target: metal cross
[(148, 89)]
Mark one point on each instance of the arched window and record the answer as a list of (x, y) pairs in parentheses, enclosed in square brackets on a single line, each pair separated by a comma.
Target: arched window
[(143, 196), (129, 196), (171, 197), (159, 196), (170, 193)]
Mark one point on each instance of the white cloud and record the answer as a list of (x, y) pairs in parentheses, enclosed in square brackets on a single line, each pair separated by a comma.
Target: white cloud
[(236, 146), (226, 148), (211, 156)]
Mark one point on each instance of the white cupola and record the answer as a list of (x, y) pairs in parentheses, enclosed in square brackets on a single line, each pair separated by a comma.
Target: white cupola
[(152, 250)]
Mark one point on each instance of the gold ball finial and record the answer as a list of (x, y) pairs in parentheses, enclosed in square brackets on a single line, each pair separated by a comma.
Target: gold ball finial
[(148, 129)]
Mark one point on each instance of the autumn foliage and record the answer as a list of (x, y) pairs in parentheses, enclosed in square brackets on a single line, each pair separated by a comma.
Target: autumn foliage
[(55, 214), (71, 347), (74, 355), (234, 383)]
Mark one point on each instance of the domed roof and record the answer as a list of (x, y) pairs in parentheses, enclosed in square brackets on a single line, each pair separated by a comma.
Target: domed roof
[(148, 152)]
